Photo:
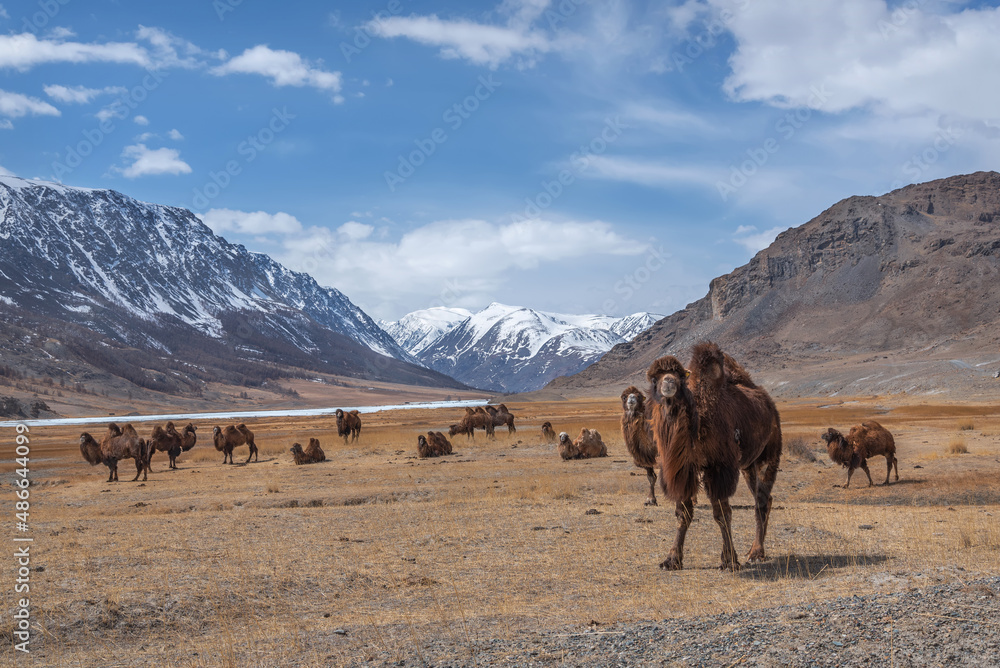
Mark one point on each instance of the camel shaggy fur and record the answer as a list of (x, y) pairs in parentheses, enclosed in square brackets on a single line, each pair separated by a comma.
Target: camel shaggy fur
[(117, 444), (226, 440), (310, 455), (474, 419), (433, 445), (638, 436), (548, 433), (348, 424), (868, 439), (501, 416), (586, 446), (710, 423)]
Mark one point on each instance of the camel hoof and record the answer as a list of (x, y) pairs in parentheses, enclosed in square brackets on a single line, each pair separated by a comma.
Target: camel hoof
[(733, 566), (651, 502), (756, 555), (671, 563)]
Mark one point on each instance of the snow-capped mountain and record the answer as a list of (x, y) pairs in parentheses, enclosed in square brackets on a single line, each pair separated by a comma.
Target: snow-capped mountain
[(122, 268), (512, 348), (419, 329)]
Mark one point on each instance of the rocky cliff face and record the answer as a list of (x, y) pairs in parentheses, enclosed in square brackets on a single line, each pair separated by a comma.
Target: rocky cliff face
[(910, 275)]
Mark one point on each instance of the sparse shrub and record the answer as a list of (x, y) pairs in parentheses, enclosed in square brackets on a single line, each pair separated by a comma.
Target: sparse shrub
[(966, 425), (272, 489), (799, 447), (956, 446)]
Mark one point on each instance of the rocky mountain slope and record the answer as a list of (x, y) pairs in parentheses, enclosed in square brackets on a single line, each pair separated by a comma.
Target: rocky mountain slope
[(149, 293), (896, 293), (511, 348)]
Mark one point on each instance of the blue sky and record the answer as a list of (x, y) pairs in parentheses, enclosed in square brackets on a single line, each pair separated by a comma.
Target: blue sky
[(606, 156)]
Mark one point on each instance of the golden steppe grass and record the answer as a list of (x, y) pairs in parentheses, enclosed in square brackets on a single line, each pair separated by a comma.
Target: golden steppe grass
[(376, 551)]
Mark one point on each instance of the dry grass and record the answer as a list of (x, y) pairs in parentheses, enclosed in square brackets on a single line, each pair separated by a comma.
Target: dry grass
[(212, 565), (957, 446), (966, 425)]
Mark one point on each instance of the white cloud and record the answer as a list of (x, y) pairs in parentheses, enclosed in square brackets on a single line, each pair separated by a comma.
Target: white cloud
[(478, 43), (24, 51), (355, 231), (175, 135), (80, 94), (649, 172), (6, 172), (283, 68), (140, 120), (168, 50), (16, 105), (149, 162), (253, 223), (838, 55), (754, 241), (5, 124), (3, 13), (145, 136)]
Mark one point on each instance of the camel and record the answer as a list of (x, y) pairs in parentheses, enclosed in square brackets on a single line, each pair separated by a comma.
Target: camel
[(166, 439), (501, 416), (348, 424), (474, 419), (638, 436), (232, 437), (117, 444), (586, 446), (310, 455), (433, 445), (713, 422), (868, 439), (548, 433)]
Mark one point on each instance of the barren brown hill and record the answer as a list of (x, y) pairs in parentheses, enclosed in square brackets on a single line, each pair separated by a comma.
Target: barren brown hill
[(876, 295)]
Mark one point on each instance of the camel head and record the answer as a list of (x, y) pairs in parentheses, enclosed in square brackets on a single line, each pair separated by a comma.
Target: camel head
[(422, 441), (564, 437), (452, 430), (666, 377), (837, 447), (339, 414), (90, 449), (296, 450), (633, 401)]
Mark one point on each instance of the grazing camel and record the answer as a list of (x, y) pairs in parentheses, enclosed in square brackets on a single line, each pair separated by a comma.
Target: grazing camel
[(868, 439), (311, 455), (348, 424), (474, 419), (226, 440), (711, 423), (117, 444), (548, 433), (638, 436), (433, 445)]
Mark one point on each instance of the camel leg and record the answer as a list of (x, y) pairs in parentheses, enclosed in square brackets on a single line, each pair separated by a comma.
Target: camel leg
[(139, 468), (651, 476), (895, 466), (684, 512), (888, 468), (850, 472), (760, 488), (723, 514), (253, 451), (864, 467)]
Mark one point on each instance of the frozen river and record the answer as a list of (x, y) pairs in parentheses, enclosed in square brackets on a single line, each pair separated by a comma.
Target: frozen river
[(238, 415)]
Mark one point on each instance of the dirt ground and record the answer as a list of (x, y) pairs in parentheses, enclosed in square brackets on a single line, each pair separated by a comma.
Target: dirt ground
[(374, 554)]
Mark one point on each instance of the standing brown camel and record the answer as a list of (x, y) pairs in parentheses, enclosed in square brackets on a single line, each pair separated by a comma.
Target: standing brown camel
[(714, 424), (117, 444), (501, 416), (226, 440), (348, 424), (638, 436), (868, 439)]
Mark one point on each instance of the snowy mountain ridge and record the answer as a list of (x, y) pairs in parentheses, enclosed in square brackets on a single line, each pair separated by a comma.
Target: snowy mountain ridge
[(511, 348)]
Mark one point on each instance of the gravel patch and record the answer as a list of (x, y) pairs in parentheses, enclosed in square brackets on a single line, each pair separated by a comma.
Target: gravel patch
[(947, 625)]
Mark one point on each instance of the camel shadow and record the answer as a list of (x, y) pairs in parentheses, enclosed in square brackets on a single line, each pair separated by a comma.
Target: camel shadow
[(903, 481), (801, 567)]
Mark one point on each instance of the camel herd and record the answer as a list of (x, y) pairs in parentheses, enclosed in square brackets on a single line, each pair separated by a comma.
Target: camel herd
[(700, 427)]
